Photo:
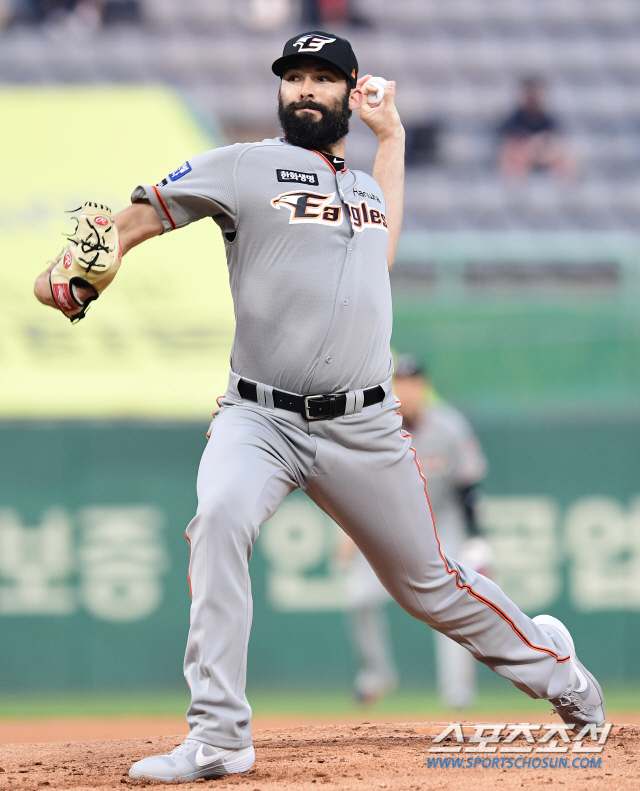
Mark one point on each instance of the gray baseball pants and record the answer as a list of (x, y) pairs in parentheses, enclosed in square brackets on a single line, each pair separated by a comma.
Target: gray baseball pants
[(361, 470)]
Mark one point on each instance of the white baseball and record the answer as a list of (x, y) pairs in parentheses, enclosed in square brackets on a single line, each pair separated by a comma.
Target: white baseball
[(380, 83)]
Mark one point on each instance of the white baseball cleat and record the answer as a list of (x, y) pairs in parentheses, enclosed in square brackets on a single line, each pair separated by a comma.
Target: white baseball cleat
[(192, 760), (583, 702)]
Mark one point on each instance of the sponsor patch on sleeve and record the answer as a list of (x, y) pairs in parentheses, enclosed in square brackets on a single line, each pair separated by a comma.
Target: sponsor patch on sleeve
[(180, 172), (297, 177)]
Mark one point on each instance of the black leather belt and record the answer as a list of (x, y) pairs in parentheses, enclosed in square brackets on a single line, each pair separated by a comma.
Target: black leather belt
[(313, 407)]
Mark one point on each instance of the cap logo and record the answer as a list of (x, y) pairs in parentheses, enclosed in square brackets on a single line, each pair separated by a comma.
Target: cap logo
[(353, 73), (312, 43)]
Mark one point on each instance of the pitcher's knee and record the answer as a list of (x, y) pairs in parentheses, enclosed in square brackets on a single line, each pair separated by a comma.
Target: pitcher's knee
[(428, 602), (224, 513), (420, 610)]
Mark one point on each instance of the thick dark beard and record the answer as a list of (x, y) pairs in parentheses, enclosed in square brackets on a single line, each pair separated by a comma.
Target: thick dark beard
[(307, 133)]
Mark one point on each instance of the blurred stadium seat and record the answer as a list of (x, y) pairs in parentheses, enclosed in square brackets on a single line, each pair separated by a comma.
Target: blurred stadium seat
[(457, 64)]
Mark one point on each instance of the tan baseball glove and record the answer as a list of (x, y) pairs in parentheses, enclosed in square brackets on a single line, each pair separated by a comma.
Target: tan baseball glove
[(89, 261)]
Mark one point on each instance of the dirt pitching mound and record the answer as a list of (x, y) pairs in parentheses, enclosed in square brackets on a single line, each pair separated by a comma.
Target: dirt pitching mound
[(395, 757)]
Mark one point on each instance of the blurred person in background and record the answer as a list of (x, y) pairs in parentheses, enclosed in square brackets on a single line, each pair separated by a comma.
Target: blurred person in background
[(75, 14), (530, 138), (368, 625), (264, 14), (41, 11), (318, 13), (422, 146), (452, 462), (6, 13)]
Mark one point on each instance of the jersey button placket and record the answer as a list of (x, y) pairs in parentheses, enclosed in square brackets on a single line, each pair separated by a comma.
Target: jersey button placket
[(329, 359)]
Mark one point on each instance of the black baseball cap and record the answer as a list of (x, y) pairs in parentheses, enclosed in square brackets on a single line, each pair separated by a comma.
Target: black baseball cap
[(321, 45)]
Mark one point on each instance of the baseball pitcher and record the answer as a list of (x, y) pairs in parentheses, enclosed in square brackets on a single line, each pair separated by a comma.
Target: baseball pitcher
[(309, 403)]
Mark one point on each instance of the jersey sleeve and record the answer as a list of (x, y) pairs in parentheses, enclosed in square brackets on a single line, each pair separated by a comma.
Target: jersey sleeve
[(201, 187)]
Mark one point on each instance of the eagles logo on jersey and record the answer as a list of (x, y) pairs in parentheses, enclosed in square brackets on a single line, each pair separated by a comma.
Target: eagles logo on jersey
[(309, 207), (363, 216)]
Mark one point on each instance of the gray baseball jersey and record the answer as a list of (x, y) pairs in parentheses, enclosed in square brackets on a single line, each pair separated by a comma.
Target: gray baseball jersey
[(306, 244)]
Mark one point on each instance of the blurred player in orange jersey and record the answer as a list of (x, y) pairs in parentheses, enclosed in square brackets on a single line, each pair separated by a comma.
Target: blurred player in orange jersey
[(452, 462)]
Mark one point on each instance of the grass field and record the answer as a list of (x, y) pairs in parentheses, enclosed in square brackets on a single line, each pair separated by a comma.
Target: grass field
[(323, 703)]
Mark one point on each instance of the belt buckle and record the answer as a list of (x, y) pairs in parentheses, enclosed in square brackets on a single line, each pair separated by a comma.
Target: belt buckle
[(306, 407)]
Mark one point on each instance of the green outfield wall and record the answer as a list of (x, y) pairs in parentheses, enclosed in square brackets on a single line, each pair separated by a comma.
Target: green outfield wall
[(93, 559), (515, 325)]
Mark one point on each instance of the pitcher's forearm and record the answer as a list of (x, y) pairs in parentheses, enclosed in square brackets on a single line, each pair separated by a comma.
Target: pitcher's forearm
[(136, 224), (388, 171), (42, 289)]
